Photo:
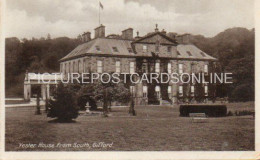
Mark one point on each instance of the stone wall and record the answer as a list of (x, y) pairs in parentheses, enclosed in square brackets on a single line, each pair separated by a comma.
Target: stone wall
[(89, 64)]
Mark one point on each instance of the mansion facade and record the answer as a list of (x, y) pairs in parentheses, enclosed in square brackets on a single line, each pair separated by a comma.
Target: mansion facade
[(157, 52)]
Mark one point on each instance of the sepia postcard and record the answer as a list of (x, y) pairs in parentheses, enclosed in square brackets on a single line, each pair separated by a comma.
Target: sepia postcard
[(129, 79)]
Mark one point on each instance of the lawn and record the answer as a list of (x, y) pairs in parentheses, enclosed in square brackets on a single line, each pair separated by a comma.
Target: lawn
[(156, 128)]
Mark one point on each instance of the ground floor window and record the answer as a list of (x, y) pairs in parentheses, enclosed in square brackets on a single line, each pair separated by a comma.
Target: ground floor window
[(192, 90), (157, 92), (206, 90), (169, 91), (180, 91), (145, 91)]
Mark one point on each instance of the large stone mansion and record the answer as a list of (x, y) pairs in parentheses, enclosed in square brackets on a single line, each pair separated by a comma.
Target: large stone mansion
[(154, 53)]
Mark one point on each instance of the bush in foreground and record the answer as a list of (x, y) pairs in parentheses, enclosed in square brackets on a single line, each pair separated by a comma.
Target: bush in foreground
[(64, 106)]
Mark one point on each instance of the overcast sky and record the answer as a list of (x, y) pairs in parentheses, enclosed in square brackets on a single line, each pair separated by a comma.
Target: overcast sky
[(37, 18)]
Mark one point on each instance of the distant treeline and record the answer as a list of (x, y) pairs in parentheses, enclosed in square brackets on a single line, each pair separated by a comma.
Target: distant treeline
[(35, 55), (233, 47)]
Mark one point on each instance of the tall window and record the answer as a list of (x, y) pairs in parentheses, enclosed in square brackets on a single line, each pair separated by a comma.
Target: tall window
[(99, 66), (206, 90), (157, 67), (206, 69), (180, 91), (157, 91), (145, 91), (169, 68), (132, 67), (192, 90), (180, 67), (144, 48), (117, 66)]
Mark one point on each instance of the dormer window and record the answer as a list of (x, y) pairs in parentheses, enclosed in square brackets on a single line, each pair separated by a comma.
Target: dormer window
[(144, 48), (188, 52), (115, 49), (203, 54), (130, 50), (97, 48)]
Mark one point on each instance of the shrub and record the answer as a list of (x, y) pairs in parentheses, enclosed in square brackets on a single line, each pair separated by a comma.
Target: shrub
[(244, 112), (229, 113), (209, 110), (83, 99), (243, 92), (64, 105)]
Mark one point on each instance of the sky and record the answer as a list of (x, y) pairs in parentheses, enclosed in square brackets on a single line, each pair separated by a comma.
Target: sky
[(59, 18)]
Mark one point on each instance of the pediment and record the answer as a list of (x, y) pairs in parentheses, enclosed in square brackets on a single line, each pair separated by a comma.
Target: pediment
[(155, 37)]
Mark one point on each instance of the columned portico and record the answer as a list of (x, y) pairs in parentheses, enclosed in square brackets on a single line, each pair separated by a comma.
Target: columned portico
[(44, 81)]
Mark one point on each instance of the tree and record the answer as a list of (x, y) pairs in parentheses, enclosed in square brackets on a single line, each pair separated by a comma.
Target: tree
[(64, 106)]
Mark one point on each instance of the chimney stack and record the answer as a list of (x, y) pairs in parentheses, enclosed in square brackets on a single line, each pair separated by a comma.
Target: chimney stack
[(137, 36), (163, 32), (86, 36), (100, 31), (127, 34), (184, 39)]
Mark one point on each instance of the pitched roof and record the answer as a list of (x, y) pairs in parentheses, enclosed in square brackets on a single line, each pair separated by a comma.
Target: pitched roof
[(105, 46), (192, 52)]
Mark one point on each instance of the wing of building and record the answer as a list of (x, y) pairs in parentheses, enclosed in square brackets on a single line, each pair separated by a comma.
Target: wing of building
[(155, 52)]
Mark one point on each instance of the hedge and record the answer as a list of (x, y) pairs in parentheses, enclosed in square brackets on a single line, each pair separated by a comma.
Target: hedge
[(209, 110)]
